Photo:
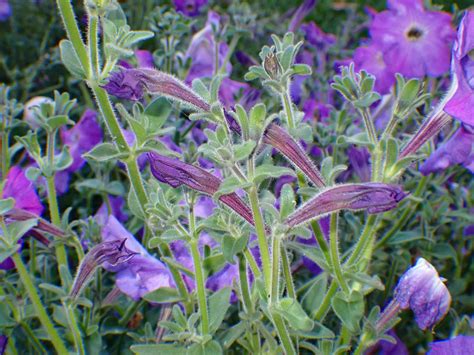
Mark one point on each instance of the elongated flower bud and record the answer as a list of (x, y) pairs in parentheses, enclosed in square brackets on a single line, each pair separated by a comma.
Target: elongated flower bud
[(373, 197), (278, 138), (131, 83), (176, 173), (113, 253)]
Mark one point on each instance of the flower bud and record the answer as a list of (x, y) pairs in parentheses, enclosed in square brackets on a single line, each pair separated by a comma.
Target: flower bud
[(271, 65), (422, 290), (373, 197)]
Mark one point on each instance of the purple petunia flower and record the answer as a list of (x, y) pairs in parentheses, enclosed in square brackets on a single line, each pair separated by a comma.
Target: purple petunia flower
[(459, 149), (81, 138), (117, 204), (373, 197), (124, 85), (144, 58), (460, 103), (371, 59), (202, 51), (460, 345), (21, 189), (141, 274), (3, 344), (189, 7), (5, 10), (422, 290), (359, 162), (384, 347), (410, 37)]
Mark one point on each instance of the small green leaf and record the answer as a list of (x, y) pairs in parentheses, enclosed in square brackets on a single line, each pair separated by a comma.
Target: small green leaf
[(301, 69), (367, 100), (242, 151), (294, 314), (287, 201), (271, 171), (230, 185), (219, 303), (349, 310), (70, 59), (157, 112), (17, 229), (7, 252), (6, 205), (232, 246), (154, 349), (103, 152), (163, 295), (134, 205)]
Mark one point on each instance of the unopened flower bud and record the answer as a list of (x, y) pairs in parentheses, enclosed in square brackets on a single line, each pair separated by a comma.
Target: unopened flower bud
[(271, 65), (422, 290)]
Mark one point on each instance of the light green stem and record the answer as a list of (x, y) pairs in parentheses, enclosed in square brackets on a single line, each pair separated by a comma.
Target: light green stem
[(275, 281), (261, 237), (326, 303), (286, 103), (200, 285), (71, 317), (364, 240), (285, 262), (283, 334), (336, 262), (244, 285), (40, 310), (92, 36)]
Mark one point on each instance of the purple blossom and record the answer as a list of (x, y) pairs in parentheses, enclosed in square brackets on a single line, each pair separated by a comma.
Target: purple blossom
[(3, 344), (81, 138), (410, 37), (5, 10), (144, 58), (460, 103), (117, 204), (384, 347), (125, 84), (141, 274), (21, 189), (373, 197), (371, 59), (229, 90), (301, 12), (456, 150), (459, 345), (316, 37), (359, 162), (421, 289), (189, 7), (202, 51), (176, 173), (315, 110)]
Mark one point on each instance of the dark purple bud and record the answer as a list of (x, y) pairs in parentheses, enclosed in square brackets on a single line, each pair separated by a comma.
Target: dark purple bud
[(113, 253), (428, 129), (176, 173), (373, 197), (125, 84), (279, 139), (131, 84), (422, 290)]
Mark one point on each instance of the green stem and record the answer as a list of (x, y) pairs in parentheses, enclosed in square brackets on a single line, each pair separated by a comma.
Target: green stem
[(336, 262), (32, 337), (40, 310), (323, 245), (244, 285), (326, 303), (261, 237), (285, 263), (130, 311), (252, 263), (286, 103), (200, 285), (275, 281), (72, 30), (364, 240), (71, 317), (93, 41), (5, 158), (369, 126), (283, 334)]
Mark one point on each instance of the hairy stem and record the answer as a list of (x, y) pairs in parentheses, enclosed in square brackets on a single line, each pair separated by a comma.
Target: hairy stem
[(336, 262)]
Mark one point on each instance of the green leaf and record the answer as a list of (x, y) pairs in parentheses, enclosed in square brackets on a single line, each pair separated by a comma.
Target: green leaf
[(367, 100), (294, 314), (104, 152), (232, 246), (6, 205), (154, 349), (314, 296), (209, 348), (70, 59), (271, 171), (301, 69), (17, 229), (230, 185), (349, 309), (63, 160), (56, 122), (233, 333), (243, 151), (219, 303), (287, 201), (163, 295), (319, 331), (7, 252), (371, 281), (157, 112)]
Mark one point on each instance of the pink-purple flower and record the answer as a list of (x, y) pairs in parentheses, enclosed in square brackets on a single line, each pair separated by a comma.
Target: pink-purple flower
[(410, 37), (459, 345), (371, 59), (5, 10), (22, 190), (460, 103), (189, 7)]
